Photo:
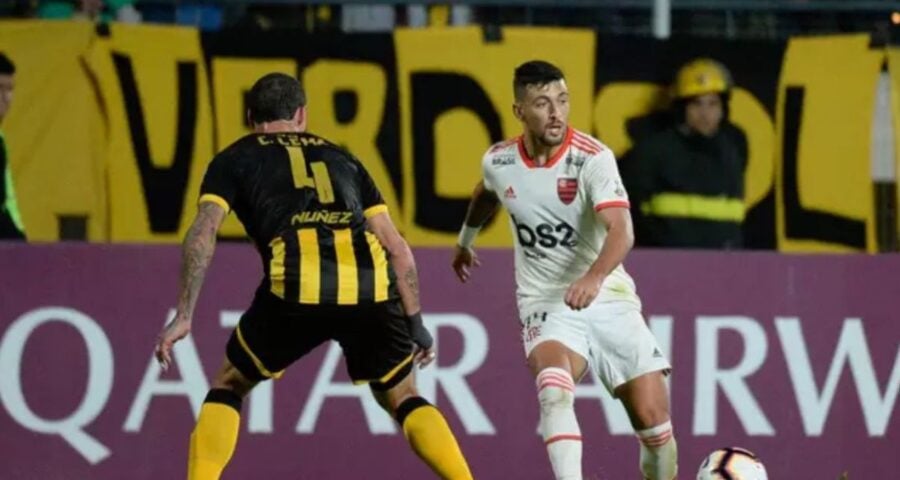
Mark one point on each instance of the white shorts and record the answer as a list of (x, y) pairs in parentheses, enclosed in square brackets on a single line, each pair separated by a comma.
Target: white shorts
[(611, 336)]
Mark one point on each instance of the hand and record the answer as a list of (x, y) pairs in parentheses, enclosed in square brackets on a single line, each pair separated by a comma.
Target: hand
[(173, 332), (583, 291), (424, 341), (463, 260), (424, 357)]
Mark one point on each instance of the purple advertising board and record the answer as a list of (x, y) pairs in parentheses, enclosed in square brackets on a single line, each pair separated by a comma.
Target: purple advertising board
[(794, 357)]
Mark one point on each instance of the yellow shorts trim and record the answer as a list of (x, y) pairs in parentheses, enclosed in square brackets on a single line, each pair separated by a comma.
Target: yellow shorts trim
[(388, 376), (256, 361), (211, 197)]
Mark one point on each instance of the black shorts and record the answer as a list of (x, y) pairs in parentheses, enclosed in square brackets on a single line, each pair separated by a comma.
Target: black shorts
[(273, 334)]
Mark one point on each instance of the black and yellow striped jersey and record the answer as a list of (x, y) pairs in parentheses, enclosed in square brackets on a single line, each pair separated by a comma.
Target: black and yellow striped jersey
[(304, 201)]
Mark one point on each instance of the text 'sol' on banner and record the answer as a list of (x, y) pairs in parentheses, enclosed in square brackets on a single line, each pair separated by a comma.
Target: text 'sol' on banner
[(456, 100), (633, 101), (822, 153), (350, 84), (54, 130), (156, 93)]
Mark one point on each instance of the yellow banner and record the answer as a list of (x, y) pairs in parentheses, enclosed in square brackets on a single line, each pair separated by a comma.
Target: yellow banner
[(445, 139), (822, 155), (893, 57), (157, 103), (54, 129), (750, 115), (119, 128)]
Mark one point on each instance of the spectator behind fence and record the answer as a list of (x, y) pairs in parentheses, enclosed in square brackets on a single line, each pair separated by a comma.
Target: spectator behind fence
[(686, 181), (98, 11), (10, 220)]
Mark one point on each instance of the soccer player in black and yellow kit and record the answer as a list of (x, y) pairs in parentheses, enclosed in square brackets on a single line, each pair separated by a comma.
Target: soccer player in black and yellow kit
[(335, 268)]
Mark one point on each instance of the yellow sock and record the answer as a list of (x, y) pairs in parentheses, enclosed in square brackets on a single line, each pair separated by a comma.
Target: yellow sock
[(431, 439), (215, 435)]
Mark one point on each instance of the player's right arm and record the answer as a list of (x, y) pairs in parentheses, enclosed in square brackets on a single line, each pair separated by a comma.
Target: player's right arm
[(218, 192), (197, 252), (482, 207)]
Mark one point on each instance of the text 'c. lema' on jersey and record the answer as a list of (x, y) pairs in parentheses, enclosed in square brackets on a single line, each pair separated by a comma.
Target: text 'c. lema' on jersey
[(304, 201)]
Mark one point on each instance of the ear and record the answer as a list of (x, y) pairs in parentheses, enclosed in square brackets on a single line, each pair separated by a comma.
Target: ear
[(300, 117), (517, 110), (249, 118)]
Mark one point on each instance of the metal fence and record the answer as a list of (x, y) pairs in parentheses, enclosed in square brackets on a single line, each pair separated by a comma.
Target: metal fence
[(734, 19)]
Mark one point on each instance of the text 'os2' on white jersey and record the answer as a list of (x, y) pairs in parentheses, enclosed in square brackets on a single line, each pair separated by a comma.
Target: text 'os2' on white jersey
[(552, 214)]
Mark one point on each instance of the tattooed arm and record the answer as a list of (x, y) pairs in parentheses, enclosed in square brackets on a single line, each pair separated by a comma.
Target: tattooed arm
[(407, 283), (197, 251), (401, 258)]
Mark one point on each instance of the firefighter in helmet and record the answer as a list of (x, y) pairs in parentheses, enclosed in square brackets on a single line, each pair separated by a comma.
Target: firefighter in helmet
[(686, 181)]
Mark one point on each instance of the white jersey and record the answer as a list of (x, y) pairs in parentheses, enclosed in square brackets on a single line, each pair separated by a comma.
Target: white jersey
[(552, 215)]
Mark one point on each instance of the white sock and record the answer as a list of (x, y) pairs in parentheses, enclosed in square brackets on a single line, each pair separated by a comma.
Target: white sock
[(659, 453), (559, 427)]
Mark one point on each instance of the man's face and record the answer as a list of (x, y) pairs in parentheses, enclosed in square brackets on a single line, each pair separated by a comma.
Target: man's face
[(91, 8), (7, 84), (544, 111), (703, 114)]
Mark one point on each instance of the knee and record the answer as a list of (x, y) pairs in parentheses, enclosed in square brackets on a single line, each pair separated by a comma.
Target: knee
[(554, 399), (390, 400), (650, 415), (230, 378), (391, 396), (556, 390)]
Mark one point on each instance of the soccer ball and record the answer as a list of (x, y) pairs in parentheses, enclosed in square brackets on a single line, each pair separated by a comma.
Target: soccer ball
[(732, 464)]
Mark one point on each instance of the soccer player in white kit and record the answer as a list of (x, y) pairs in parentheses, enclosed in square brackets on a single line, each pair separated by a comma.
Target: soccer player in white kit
[(578, 308)]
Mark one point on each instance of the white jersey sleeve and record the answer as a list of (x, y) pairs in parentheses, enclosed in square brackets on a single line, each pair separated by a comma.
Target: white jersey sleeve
[(487, 171), (604, 185)]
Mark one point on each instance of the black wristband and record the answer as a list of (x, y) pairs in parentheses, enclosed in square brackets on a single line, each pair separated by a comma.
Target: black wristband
[(419, 333)]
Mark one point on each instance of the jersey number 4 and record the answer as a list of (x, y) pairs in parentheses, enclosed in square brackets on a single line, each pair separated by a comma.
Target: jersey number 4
[(320, 180)]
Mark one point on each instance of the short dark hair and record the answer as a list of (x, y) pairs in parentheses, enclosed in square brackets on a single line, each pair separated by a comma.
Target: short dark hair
[(535, 72), (7, 67), (275, 96)]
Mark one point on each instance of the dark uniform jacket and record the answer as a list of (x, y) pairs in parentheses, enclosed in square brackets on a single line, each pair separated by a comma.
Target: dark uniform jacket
[(687, 190)]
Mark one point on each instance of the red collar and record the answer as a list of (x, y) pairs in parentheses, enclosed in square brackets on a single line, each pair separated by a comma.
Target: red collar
[(530, 163)]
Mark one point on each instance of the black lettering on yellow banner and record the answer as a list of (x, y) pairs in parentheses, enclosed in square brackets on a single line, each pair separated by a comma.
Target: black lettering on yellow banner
[(823, 167), (154, 87), (439, 120), (455, 99), (347, 106), (163, 187)]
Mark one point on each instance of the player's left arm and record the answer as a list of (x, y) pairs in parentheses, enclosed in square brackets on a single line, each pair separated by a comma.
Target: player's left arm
[(378, 221), (619, 240), (610, 201)]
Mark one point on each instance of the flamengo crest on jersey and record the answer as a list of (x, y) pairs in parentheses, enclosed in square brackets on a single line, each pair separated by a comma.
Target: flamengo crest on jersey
[(552, 214)]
